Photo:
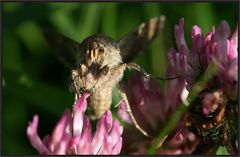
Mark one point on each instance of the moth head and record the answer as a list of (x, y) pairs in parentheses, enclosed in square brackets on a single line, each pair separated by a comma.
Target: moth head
[(100, 51)]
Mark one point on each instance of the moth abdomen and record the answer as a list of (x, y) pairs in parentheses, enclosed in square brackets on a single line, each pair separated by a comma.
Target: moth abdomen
[(101, 100)]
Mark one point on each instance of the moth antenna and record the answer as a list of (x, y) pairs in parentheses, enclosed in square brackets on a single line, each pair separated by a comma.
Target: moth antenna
[(136, 67)]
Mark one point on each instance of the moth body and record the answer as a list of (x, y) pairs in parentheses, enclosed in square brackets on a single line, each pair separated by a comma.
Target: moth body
[(98, 62), (100, 69), (101, 98)]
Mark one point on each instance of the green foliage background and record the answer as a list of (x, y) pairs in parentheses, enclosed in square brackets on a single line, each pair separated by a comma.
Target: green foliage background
[(34, 81)]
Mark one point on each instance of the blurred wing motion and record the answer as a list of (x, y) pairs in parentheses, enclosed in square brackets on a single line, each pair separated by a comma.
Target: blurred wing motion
[(66, 49), (138, 40)]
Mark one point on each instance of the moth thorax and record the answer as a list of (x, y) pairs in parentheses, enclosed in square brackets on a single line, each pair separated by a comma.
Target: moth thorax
[(112, 58)]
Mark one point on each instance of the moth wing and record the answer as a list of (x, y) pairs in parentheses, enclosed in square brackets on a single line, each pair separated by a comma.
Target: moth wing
[(137, 41), (66, 49)]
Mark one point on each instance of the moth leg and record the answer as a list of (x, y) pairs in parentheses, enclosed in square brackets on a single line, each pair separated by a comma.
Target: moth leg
[(76, 86), (124, 97), (136, 67), (119, 103)]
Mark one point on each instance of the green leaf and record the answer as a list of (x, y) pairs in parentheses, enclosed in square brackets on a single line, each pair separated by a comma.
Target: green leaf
[(63, 21), (222, 150), (89, 20), (109, 23), (11, 52), (43, 95), (31, 35), (11, 7)]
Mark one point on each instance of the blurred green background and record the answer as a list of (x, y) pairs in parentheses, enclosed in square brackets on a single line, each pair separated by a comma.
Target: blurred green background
[(35, 82)]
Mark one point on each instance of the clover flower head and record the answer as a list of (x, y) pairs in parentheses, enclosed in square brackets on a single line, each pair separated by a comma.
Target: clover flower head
[(73, 133)]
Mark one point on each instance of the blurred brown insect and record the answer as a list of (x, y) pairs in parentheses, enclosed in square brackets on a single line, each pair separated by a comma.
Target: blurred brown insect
[(98, 63), (219, 128)]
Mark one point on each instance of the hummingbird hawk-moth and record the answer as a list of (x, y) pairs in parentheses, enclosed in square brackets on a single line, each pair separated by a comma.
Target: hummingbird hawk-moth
[(98, 62)]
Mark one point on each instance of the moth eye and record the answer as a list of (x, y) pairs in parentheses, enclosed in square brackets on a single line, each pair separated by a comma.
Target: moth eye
[(94, 45), (101, 50)]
